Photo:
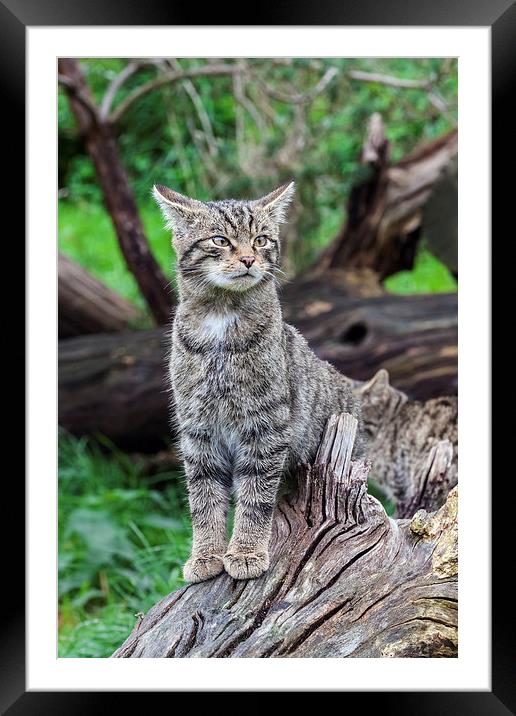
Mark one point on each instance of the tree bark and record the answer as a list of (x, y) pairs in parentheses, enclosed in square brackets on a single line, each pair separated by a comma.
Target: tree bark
[(116, 385), (345, 580), (86, 305), (413, 337), (118, 196), (384, 208), (440, 220)]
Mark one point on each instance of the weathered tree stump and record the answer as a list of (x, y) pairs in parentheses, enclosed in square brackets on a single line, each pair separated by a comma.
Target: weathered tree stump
[(384, 212), (345, 579)]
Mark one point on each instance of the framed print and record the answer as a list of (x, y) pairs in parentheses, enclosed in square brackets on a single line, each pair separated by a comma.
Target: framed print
[(245, 415)]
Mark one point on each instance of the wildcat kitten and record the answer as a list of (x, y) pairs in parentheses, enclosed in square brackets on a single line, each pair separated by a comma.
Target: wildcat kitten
[(251, 398)]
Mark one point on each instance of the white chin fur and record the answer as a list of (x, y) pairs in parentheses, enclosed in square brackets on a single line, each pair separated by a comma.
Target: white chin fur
[(235, 283)]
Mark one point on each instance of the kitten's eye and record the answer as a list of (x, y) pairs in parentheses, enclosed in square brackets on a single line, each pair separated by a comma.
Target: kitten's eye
[(220, 241), (260, 241)]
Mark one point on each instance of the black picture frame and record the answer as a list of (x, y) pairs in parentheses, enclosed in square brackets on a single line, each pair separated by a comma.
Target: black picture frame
[(500, 16)]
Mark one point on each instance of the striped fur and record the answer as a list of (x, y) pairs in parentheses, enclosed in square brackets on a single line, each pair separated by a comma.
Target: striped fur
[(251, 398)]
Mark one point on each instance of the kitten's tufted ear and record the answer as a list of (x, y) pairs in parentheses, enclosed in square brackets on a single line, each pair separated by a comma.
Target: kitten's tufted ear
[(277, 202), (176, 208)]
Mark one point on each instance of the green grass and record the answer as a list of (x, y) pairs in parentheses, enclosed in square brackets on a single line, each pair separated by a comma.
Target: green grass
[(376, 490), (122, 541), (429, 275)]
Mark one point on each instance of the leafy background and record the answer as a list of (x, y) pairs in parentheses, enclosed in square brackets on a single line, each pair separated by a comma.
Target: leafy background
[(124, 534)]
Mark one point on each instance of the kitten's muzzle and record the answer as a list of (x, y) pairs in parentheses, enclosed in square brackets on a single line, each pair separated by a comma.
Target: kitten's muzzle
[(248, 261)]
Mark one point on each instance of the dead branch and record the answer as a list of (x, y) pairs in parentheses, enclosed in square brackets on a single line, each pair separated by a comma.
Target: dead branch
[(384, 207), (103, 149), (80, 96), (390, 81), (129, 70), (169, 78), (300, 97)]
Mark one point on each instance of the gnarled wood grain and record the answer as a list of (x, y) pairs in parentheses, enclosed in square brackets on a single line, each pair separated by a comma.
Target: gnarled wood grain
[(345, 579)]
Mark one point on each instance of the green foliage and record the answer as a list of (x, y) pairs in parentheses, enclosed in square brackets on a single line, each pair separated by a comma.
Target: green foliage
[(377, 491), (122, 541), (162, 139), (429, 275)]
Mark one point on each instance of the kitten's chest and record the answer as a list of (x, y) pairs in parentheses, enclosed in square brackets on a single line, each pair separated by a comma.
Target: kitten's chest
[(220, 361), (216, 328)]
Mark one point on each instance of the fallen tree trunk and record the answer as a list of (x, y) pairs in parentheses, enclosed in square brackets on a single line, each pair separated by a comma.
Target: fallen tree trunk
[(413, 337), (345, 579), (86, 305), (384, 212), (116, 385)]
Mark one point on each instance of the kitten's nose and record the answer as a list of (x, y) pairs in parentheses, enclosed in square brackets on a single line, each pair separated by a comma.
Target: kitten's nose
[(248, 261)]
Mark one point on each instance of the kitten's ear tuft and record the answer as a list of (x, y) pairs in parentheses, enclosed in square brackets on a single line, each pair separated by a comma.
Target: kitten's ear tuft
[(175, 207), (277, 202)]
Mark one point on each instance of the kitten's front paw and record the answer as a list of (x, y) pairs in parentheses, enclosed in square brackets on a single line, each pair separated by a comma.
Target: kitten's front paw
[(246, 565), (197, 569)]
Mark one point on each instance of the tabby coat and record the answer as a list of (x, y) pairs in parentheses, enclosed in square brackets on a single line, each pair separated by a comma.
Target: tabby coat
[(251, 399)]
